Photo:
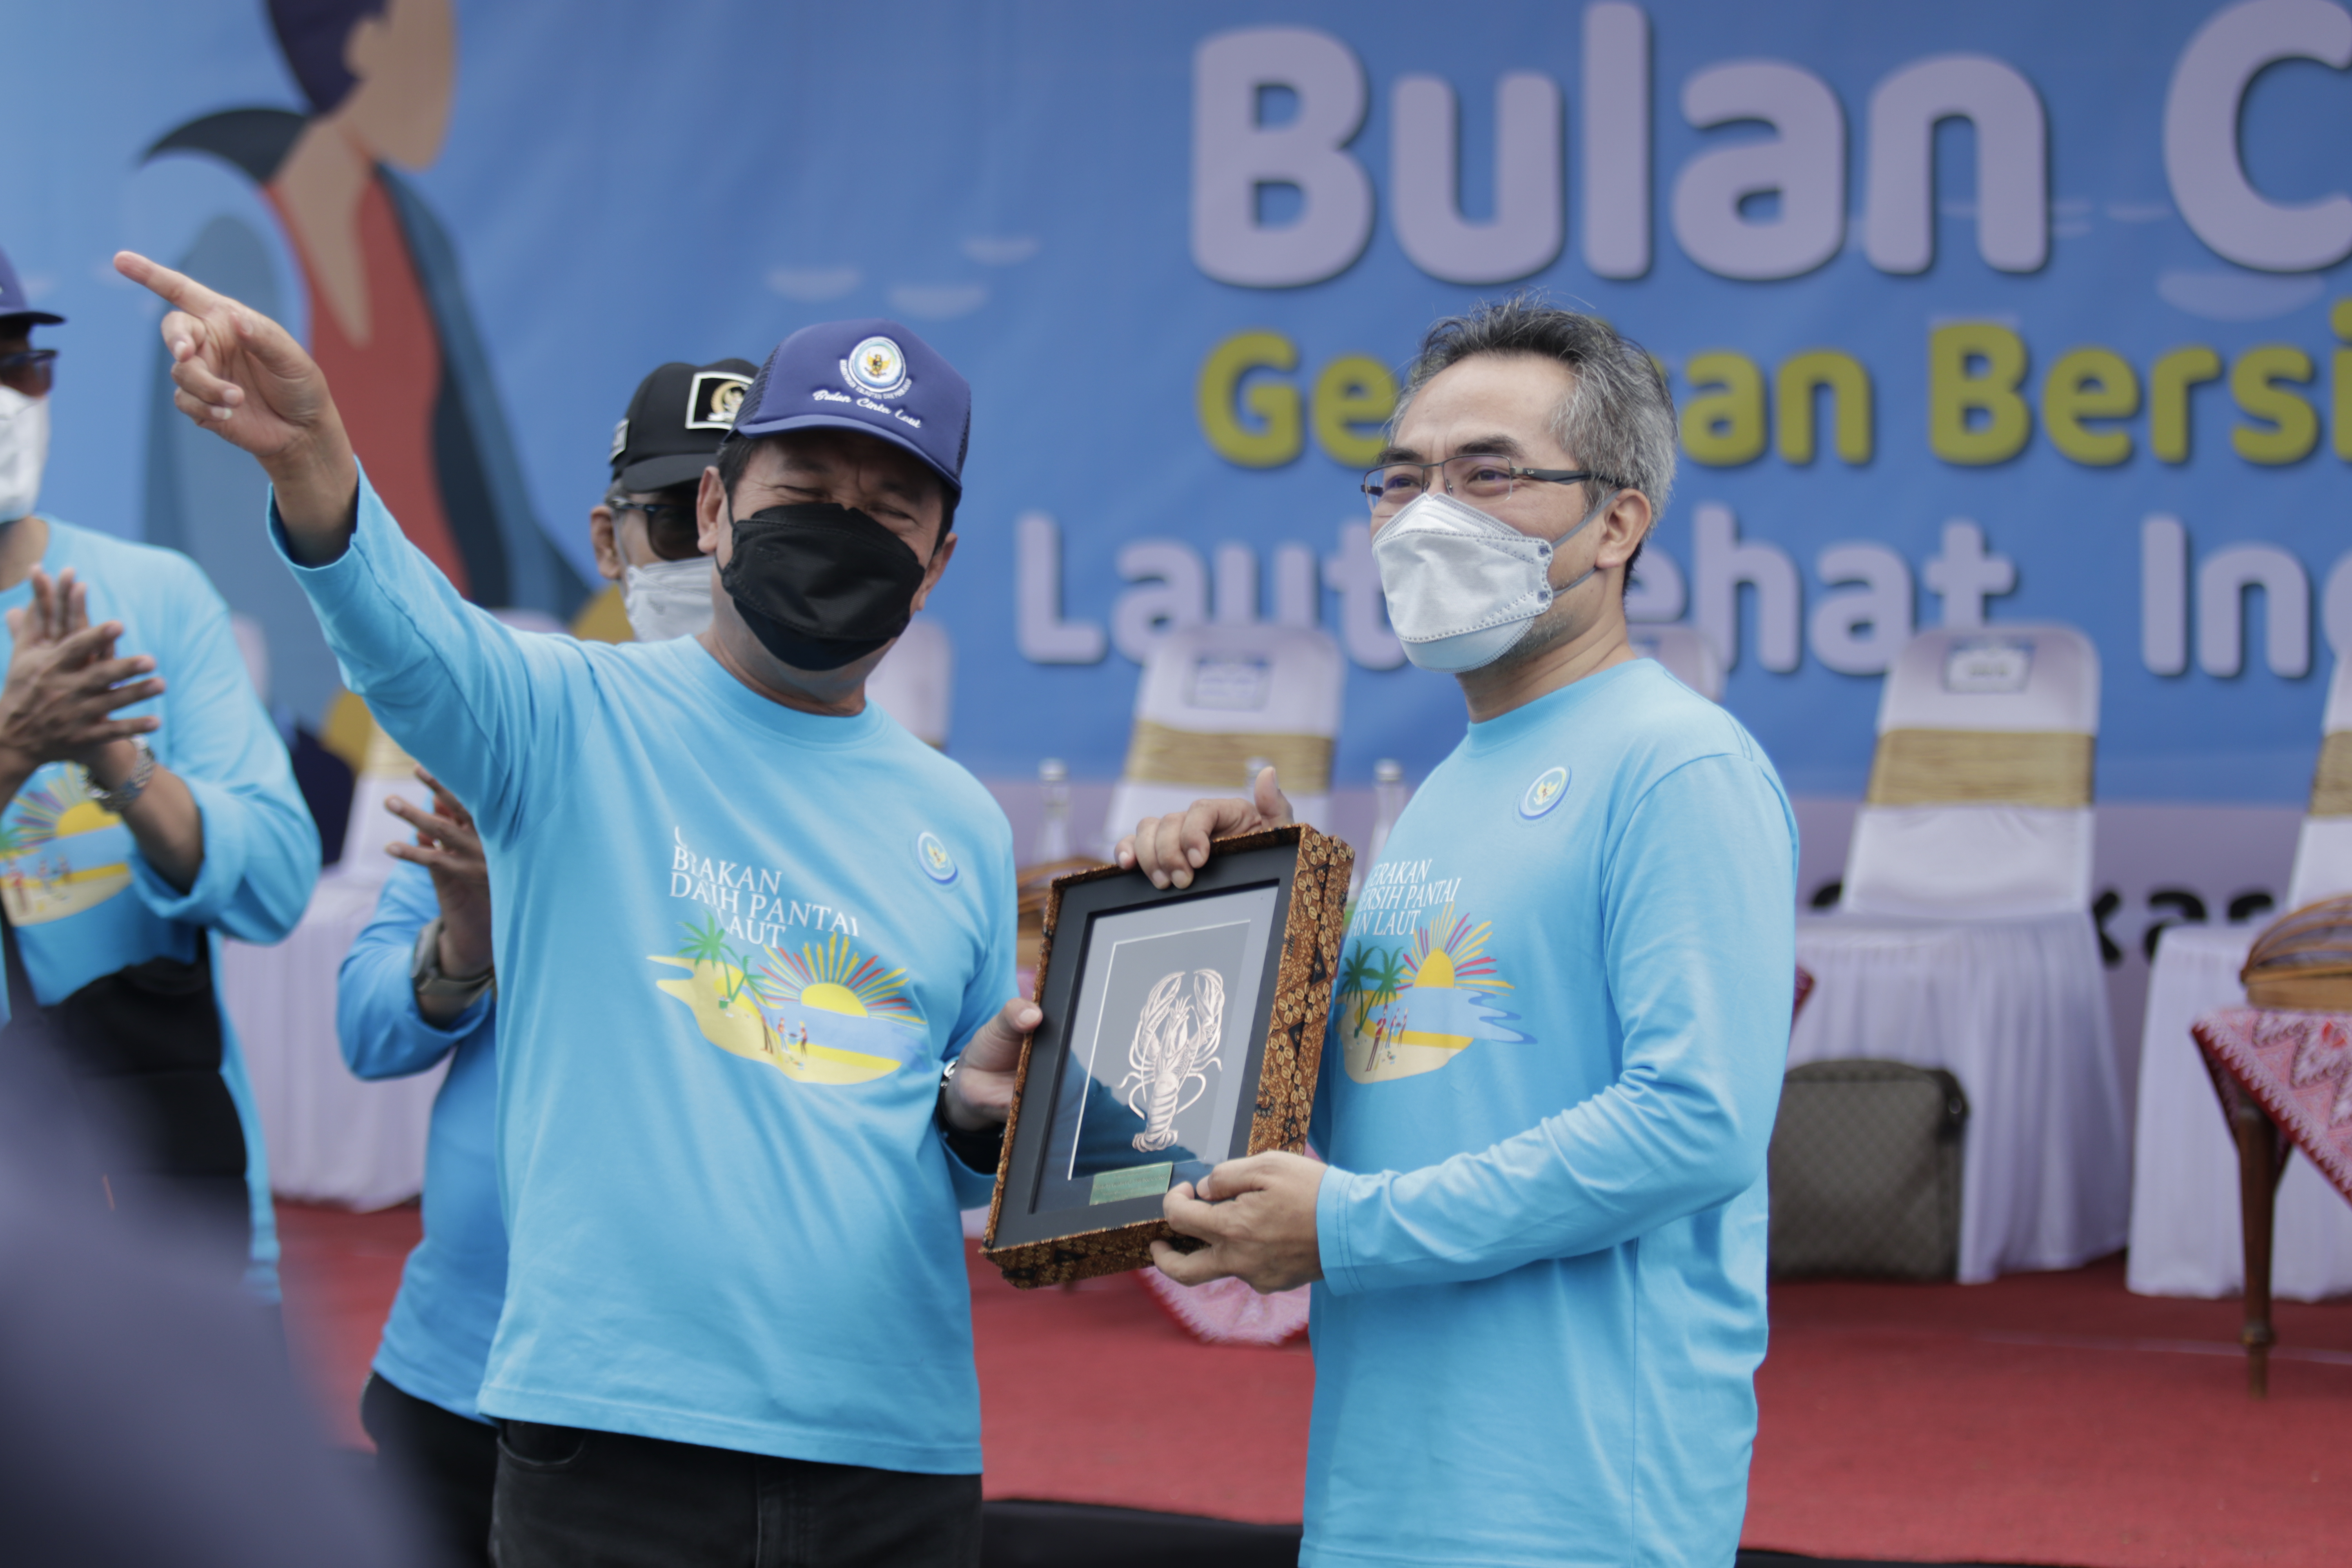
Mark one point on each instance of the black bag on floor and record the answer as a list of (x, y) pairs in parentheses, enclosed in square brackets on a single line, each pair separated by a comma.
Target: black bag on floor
[(1866, 1172)]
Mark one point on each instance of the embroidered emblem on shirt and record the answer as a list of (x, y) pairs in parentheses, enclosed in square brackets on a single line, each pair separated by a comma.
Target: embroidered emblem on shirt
[(876, 368), (1544, 794), (937, 863)]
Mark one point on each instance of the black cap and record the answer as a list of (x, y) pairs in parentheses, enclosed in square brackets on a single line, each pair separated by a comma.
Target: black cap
[(14, 305), (677, 418)]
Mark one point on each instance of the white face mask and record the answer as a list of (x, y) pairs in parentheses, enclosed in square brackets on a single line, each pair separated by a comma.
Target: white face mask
[(24, 451), (667, 599), (1462, 587)]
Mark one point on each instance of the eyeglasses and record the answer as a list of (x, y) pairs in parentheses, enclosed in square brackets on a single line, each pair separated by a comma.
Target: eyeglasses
[(670, 528), (1391, 485), (28, 370)]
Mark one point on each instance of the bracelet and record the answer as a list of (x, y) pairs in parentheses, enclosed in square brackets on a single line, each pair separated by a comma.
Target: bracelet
[(118, 800)]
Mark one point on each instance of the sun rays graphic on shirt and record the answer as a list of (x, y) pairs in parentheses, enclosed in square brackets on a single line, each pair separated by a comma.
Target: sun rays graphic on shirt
[(46, 849), (60, 809), (1451, 952), (837, 978), (1417, 1006)]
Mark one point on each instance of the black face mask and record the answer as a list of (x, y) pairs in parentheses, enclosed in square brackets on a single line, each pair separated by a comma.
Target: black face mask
[(820, 585)]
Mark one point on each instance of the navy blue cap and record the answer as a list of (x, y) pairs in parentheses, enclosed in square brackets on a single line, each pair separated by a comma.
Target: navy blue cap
[(872, 376), (13, 302)]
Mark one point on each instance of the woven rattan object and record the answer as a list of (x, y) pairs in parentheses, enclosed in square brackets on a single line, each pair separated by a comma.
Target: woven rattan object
[(2304, 961)]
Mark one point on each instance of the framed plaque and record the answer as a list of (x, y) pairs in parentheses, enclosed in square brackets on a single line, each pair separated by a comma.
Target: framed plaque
[(1183, 1027)]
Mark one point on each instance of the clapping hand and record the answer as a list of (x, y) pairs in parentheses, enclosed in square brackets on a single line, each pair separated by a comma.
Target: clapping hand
[(64, 682), (449, 846)]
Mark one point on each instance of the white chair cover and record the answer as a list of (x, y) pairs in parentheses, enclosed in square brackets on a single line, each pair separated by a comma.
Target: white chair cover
[(2186, 1233), (2186, 1238), (2017, 1010), (1214, 688), (915, 682), (1989, 860), (1687, 655), (1964, 942), (2323, 850), (332, 1139)]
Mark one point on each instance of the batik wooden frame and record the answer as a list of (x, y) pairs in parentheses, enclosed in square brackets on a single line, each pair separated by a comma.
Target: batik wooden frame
[(1285, 1044)]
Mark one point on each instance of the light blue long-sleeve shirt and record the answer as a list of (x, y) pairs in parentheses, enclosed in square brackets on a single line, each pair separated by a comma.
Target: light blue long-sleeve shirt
[(1547, 1087), (735, 943), (437, 1339), (83, 898)]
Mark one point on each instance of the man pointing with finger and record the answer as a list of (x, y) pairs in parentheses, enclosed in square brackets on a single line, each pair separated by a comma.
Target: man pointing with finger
[(741, 921), (1552, 1067)]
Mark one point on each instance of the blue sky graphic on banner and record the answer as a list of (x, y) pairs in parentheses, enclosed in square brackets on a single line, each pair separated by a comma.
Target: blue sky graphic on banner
[(2007, 312)]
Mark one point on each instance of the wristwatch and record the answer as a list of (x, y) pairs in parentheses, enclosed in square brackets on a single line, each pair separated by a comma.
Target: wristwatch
[(116, 801), (430, 985)]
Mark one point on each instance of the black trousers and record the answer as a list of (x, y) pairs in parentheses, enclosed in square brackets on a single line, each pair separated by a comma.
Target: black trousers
[(569, 1498), (446, 1464)]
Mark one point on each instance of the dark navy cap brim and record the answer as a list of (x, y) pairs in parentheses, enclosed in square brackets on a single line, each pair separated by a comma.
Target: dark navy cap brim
[(660, 473), (847, 422), (32, 318)]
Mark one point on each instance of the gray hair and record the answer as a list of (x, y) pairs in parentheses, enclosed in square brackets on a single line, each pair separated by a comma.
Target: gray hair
[(1619, 419)]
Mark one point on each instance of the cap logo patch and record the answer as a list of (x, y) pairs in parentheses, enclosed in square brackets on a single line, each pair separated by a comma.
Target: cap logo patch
[(714, 400), (620, 439), (876, 367)]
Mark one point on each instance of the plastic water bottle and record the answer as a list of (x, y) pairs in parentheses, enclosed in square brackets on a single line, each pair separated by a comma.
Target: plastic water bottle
[(1054, 812), (1389, 795)]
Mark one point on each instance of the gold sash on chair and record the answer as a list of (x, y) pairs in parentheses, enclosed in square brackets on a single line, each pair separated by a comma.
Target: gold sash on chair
[(1161, 753), (1982, 767), (2331, 785)]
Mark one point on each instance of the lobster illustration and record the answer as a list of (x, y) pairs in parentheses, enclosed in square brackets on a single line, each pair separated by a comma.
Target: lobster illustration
[(1175, 1046)]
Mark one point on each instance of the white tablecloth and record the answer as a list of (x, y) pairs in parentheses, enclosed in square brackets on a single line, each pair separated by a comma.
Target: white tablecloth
[(2185, 1235), (2017, 1011), (332, 1139)]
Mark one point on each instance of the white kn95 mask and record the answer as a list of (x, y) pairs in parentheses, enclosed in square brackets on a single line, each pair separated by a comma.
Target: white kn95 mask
[(1462, 587), (24, 451), (667, 599)]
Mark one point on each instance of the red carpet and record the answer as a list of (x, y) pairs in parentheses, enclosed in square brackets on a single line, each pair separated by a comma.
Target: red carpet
[(2043, 1419)]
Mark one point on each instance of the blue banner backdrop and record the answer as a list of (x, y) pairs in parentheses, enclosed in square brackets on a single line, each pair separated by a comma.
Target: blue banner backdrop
[(2002, 313)]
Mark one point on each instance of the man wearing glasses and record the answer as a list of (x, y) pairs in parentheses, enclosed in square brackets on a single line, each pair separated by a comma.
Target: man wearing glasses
[(1540, 1241), (644, 530), (147, 808)]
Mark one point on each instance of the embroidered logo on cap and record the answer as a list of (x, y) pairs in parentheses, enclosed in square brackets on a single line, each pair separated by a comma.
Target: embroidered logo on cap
[(1544, 794), (877, 368), (620, 438), (937, 863), (716, 398)]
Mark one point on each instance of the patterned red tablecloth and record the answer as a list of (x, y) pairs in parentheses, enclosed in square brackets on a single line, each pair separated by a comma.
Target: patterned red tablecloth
[(2298, 1066)]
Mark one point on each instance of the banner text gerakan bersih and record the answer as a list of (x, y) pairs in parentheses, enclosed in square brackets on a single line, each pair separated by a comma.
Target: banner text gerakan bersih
[(1976, 315)]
